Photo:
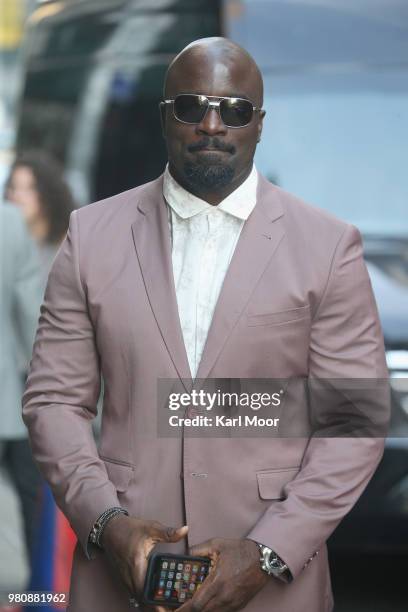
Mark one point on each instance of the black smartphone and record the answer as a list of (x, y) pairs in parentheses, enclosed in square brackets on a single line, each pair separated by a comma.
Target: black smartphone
[(173, 579)]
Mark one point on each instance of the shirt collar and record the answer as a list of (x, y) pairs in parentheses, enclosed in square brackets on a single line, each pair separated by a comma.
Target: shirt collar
[(239, 203)]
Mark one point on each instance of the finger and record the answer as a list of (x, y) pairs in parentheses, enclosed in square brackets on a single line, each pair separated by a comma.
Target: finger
[(161, 533), (202, 597), (200, 606), (205, 549), (208, 550)]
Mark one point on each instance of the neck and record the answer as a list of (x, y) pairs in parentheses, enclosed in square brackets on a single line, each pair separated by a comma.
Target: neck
[(39, 229), (212, 197)]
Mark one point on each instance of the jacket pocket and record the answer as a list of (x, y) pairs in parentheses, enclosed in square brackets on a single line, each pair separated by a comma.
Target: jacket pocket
[(271, 483), (277, 318), (119, 474)]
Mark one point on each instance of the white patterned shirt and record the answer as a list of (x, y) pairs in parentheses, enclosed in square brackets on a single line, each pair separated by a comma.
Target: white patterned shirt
[(203, 242)]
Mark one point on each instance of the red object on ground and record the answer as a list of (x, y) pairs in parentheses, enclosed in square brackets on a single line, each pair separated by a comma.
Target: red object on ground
[(64, 550)]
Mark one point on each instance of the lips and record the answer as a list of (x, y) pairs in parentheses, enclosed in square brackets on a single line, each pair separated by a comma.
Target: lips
[(212, 150), (204, 145)]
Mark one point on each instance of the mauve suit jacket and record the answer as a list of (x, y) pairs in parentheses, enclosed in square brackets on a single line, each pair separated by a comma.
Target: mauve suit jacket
[(296, 302)]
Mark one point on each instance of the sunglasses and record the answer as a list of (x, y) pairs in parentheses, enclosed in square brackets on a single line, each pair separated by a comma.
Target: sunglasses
[(192, 108)]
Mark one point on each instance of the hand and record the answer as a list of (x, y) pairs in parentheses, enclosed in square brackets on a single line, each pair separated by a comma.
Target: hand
[(235, 577), (128, 541)]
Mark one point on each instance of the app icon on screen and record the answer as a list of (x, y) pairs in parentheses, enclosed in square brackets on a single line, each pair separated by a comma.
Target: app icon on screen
[(165, 565)]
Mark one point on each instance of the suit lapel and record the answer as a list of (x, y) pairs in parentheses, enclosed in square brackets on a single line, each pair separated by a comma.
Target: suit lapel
[(257, 243), (152, 241)]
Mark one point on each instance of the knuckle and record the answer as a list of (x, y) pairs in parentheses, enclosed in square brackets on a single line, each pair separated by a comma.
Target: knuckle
[(169, 532)]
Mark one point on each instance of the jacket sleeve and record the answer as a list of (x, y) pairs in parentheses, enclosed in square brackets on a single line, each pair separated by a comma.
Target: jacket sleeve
[(61, 395), (346, 345)]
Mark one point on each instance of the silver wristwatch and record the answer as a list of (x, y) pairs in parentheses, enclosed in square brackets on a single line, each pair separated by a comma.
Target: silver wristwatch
[(271, 563)]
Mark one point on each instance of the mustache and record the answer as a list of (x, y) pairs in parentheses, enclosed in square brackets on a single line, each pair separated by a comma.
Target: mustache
[(213, 143)]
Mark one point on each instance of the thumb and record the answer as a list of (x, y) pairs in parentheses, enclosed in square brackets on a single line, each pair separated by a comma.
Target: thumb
[(161, 533)]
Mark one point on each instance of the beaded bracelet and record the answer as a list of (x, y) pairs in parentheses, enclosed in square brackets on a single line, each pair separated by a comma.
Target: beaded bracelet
[(101, 522)]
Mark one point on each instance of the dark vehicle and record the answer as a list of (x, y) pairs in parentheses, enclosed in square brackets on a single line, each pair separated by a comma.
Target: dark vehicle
[(336, 95), (93, 80)]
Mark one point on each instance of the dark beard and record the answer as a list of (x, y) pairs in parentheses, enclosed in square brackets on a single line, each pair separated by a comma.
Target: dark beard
[(208, 175)]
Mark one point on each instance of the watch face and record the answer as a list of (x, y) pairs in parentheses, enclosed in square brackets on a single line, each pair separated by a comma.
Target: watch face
[(272, 562), (275, 563)]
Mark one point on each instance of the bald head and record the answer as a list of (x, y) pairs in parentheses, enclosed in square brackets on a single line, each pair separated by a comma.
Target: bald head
[(215, 59), (211, 153)]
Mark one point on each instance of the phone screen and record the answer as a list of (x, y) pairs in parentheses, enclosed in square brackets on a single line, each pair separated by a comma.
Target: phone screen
[(174, 578)]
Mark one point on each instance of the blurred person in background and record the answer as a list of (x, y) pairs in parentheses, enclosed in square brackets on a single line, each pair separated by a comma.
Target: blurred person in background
[(20, 299), (36, 184)]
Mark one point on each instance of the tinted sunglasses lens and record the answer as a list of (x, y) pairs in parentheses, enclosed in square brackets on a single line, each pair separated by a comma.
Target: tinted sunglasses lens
[(235, 112), (190, 109)]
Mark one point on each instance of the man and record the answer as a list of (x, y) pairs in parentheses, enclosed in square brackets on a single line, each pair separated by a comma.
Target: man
[(20, 298), (208, 271)]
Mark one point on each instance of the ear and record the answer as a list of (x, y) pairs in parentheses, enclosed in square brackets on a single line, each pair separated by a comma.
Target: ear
[(162, 110), (262, 114)]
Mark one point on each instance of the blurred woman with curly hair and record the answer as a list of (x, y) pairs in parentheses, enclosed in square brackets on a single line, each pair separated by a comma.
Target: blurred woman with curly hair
[(36, 184)]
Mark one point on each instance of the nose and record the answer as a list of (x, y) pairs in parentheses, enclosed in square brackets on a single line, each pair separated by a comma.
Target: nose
[(212, 123)]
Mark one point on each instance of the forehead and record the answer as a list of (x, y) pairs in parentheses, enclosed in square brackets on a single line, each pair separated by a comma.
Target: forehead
[(213, 75)]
